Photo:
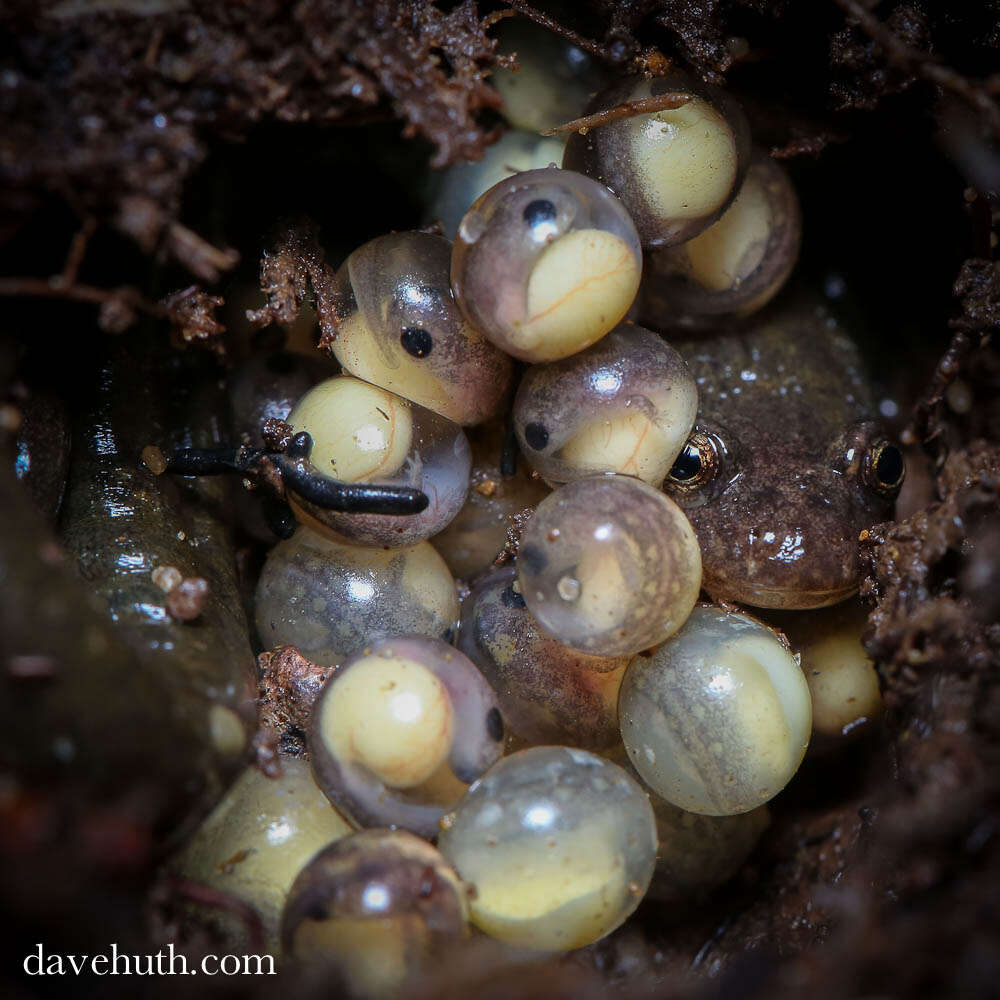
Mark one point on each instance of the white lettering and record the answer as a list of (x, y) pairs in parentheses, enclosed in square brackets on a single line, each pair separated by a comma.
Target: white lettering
[(40, 958)]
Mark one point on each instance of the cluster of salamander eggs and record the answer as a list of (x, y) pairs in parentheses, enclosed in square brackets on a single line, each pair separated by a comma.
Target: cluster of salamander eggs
[(645, 731)]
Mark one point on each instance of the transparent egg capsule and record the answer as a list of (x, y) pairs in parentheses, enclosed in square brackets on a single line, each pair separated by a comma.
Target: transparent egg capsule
[(609, 566), (560, 845), (478, 533), (843, 682), (400, 329), (677, 165), (548, 692), (327, 599), (400, 730), (452, 191), (375, 908), (553, 80), (546, 263), (364, 434), (625, 405), (734, 267), (717, 719), (256, 841)]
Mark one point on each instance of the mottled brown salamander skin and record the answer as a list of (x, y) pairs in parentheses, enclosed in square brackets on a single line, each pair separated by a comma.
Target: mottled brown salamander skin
[(788, 399)]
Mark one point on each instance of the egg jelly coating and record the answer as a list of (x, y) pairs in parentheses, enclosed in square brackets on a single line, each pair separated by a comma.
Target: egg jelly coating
[(717, 719), (400, 328), (400, 730), (553, 81), (785, 487), (452, 191), (609, 566), (560, 845), (548, 692), (255, 842), (327, 599), (374, 907), (478, 533), (546, 263), (842, 679), (676, 170), (364, 434), (734, 267), (625, 405)]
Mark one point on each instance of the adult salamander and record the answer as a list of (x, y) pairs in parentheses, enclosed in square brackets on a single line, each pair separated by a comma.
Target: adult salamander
[(787, 463)]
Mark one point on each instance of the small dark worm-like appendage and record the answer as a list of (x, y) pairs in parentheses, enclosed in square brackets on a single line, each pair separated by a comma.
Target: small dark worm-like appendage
[(293, 469)]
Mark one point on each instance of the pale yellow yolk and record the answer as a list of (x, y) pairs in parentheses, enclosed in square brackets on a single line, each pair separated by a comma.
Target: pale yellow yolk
[(730, 251), (606, 598), (842, 682), (685, 158), (580, 288), (554, 895), (360, 432), (759, 730), (391, 715), (259, 837), (629, 444)]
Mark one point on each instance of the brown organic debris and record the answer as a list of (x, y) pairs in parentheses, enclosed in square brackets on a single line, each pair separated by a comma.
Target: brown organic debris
[(978, 290), (294, 272), (289, 685), (902, 41), (926, 621), (115, 111), (628, 109), (192, 314)]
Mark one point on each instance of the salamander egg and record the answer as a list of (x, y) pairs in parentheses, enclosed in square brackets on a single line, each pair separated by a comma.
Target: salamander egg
[(400, 329), (548, 692), (734, 267), (471, 542), (609, 566), (546, 263), (559, 845), (400, 729), (373, 908), (625, 405), (364, 434), (843, 682), (327, 599), (256, 840), (716, 720), (676, 169)]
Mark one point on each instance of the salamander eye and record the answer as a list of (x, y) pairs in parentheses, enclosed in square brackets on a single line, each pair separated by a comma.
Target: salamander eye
[(416, 341), (697, 463), (885, 469), (538, 212)]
